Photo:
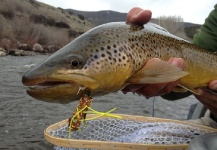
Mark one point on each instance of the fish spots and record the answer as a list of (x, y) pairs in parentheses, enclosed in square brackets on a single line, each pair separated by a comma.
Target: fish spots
[(103, 55), (95, 56), (114, 47)]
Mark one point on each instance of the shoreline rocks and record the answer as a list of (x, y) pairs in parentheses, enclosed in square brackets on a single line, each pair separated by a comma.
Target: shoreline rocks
[(26, 50), (2, 52), (16, 52)]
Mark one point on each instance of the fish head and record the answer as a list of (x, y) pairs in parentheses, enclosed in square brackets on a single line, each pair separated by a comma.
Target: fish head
[(93, 61)]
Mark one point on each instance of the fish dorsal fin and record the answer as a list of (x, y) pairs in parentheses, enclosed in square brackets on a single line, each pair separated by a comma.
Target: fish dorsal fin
[(134, 27), (157, 71)]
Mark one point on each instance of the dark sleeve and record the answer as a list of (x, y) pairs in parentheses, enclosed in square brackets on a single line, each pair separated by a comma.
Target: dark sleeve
[(175, 95), (207, 36), (207, 39)]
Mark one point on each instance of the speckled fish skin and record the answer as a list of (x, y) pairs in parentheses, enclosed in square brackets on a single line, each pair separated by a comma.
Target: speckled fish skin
[(105, 58)]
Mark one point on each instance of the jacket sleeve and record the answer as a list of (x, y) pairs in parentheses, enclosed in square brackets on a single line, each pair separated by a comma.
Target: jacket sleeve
[(205, 38)]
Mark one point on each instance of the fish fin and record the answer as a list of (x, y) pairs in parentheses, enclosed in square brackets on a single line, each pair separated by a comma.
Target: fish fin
[(157, 71), (135, 27)]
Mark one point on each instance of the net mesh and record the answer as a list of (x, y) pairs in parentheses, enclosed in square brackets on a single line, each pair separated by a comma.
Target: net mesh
[(130, 131)]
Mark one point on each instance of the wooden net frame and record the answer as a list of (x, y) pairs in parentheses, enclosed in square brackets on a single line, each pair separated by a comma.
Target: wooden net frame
[(108, 145)]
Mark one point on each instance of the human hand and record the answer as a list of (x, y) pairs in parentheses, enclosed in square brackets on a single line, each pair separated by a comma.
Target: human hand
[(208, 97), (138, 16)]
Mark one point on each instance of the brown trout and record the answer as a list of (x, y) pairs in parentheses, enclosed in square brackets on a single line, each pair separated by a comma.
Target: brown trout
[(109, 57)]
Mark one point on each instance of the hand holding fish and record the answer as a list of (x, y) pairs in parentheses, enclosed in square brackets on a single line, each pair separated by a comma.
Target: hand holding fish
[(207, 97)]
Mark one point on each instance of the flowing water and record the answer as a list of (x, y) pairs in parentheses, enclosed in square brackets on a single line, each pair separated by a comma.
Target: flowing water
[(23, 119)]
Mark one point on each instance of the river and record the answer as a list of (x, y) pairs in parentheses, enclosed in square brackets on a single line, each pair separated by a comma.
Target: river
[(23, 119)]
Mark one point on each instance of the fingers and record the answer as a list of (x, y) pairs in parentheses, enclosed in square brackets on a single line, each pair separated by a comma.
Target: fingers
[(179, 62), (138, 16), (209, 99), (207, 96), (213, 85)]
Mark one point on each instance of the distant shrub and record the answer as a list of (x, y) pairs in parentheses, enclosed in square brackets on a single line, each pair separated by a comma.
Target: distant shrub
[(38, 33), (60, 8), (72, 33), (41, 19), (81, 17), (7, 10), (191, 31), (62, 25), (70, 12), (25, 34), (34, 3), (8, 14), (5, 28), (1, 25), (173, 24), (52, 36)]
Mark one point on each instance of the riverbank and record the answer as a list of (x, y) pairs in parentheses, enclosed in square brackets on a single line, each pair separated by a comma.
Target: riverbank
[(26, 50)]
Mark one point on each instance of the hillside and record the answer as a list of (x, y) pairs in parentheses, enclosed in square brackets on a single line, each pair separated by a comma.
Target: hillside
[(101, 17), (27, 22), (28, 26)]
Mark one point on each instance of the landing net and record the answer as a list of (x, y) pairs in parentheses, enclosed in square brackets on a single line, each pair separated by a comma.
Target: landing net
[(129, 132)]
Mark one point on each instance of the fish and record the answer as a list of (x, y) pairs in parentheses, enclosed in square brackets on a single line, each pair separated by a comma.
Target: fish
[(111, 56)]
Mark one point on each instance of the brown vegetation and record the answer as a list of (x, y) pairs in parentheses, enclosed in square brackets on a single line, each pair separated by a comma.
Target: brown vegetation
[(31, 22), (173, 24)]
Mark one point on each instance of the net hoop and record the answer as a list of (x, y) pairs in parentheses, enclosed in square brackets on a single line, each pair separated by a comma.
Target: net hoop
[(107, 145)]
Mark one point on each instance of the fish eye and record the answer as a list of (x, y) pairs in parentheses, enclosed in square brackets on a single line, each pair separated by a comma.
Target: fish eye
[(75, 62)]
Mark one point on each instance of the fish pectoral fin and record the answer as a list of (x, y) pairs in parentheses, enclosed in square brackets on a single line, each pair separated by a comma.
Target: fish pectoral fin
[(157, 71)]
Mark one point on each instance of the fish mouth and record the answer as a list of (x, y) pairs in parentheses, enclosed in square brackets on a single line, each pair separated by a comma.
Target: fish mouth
[(58, 89), (48, 85), (54, 91)]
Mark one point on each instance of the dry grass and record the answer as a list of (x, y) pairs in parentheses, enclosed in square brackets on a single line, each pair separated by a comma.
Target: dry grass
[(173, 24), (53, 26)]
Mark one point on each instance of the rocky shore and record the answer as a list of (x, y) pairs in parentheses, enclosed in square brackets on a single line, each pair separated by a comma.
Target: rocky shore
[(21, 49)]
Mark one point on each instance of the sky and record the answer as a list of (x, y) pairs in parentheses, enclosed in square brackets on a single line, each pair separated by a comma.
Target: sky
[(194, 11)]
